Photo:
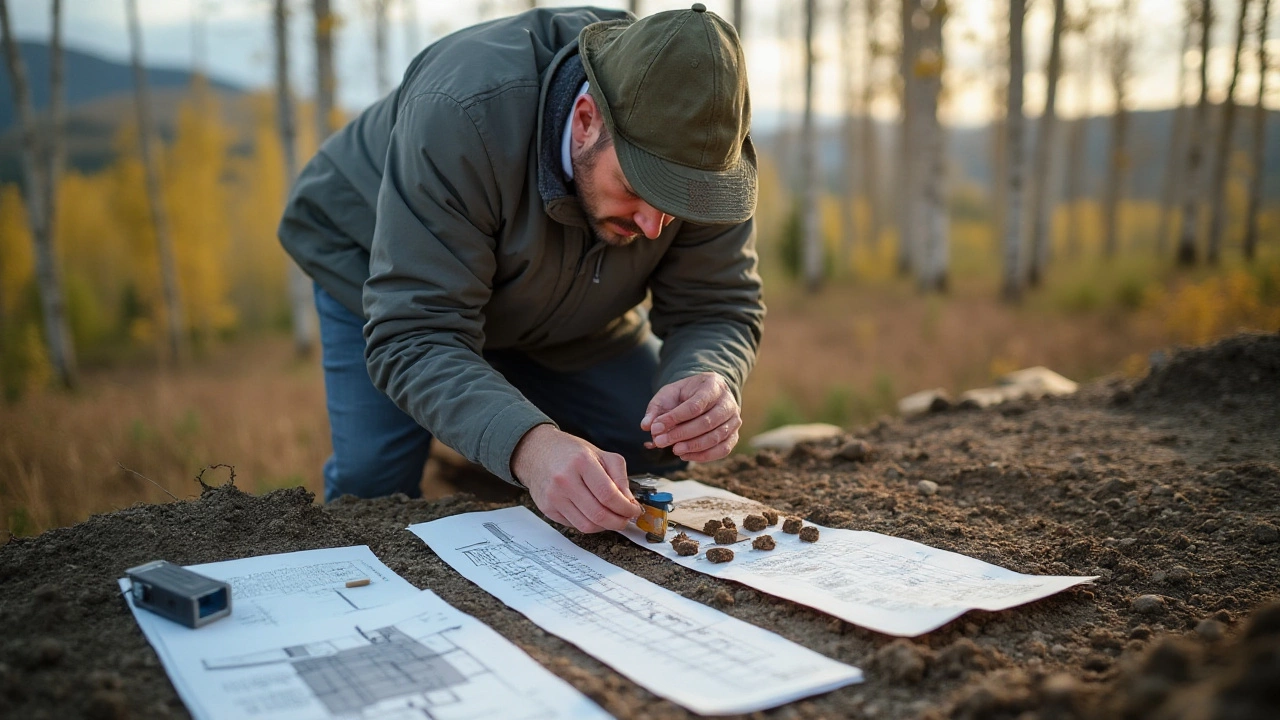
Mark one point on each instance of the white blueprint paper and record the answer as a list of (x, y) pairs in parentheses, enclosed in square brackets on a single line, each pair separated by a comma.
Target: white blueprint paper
[(693, 655), (273, 590), (882, 583), (414, 659)]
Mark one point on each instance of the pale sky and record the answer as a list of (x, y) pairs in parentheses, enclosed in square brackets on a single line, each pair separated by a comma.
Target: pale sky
[(237, 34)]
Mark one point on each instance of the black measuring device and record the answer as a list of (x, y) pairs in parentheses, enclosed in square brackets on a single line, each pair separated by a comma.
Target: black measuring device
[(174, 592)]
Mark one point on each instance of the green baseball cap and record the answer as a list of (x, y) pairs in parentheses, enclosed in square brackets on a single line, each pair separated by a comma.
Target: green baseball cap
[(673, 91)]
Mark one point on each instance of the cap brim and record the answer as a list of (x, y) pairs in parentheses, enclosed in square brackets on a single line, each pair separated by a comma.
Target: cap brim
[(711, 197)]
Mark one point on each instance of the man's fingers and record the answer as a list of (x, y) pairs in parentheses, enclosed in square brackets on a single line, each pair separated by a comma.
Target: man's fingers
[(700, 402), (723, 412), (709, 440), (610, 503), (555, 517), (594, 516), (666, 398), (719, 451), (616, 467)]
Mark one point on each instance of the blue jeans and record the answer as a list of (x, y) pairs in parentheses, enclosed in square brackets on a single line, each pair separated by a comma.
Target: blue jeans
[(379, 450)]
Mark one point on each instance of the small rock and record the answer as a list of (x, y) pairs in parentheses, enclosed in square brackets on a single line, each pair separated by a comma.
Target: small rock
[(809, 534), (1211, 629), (792, 525), (1148, 604), (855, 451), (1265, 533), (927, 487)]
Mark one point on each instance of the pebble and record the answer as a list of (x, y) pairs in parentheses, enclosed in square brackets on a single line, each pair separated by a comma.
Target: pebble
[(1211, 629), (1265, 533), (927, 487), (855, 451), (1148, 604)]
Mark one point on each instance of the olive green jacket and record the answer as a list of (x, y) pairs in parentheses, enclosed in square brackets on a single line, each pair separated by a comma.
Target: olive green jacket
[(441, 214)]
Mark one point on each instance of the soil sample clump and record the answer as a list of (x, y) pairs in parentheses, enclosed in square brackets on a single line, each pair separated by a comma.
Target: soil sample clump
[(719, 555), (712, 526), (686, 547), (770, 517), (726, 536), (792, 525), (729, 523), (764, 542), (809, 534), (754, 523), (679, 536)]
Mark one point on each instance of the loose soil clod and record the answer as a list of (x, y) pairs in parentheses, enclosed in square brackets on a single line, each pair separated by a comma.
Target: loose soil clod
[(809, 533), (770, 517), (719, 555), (792, 525), (754, 523), (726, 536), (712, 526), (729, 523), (763, 542), (679, 536), (685, 547)]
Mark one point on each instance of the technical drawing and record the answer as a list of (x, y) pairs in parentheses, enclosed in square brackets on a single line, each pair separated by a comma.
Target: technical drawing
[(682, 644), (387, 673)]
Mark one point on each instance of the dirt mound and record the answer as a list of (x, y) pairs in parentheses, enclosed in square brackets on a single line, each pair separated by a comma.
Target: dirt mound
[(1180, 521), (1228, 374)]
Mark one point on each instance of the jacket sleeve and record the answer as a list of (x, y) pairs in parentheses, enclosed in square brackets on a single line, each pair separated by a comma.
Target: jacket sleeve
[(707, 306), (430, 276)]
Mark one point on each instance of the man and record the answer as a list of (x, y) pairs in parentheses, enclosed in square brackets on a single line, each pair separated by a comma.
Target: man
[(483, 240)]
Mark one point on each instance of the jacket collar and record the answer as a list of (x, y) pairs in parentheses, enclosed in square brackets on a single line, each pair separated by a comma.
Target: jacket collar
[(564, 76)]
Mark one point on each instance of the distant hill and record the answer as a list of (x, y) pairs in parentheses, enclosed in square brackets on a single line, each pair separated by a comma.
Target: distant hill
[(88, 78), (99, 101)]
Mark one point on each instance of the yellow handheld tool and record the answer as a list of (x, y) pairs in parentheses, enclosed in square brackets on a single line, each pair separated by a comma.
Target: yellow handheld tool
[(656, 505)]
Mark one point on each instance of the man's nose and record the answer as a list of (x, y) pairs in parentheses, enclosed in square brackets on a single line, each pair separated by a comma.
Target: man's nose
[(650, 222)]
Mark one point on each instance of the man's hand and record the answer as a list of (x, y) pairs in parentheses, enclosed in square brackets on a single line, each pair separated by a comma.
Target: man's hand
[(697, 417), (573, 482)]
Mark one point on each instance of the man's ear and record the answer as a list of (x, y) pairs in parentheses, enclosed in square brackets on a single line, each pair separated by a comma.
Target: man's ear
[(586, 124)]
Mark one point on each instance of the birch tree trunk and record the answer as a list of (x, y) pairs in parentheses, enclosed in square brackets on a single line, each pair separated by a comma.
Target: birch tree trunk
[(301, 300), (325, 79), (1195, 148), (175, 318), (998, 59), (1222, 160), (931, 202), (906, 139), (1012, 289), (1119, 156), (1041, 209), (42, 165), (808, 163), (1078, 144), (1259, 140), (382, 74), (739, 18), (870, 150), (849, 140), (1173, 169)]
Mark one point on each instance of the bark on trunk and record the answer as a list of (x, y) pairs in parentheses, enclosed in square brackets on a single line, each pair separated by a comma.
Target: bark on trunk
[(325, 79), (1259, 141), (634, 7), (382, 74), (1177, 141), (808, 164), (1041, 209), (1222, 161), (870, 151), (739, 17), (1078, 143), (1195, 149), (301, 302), (175, 318), (906, 165), (931, 203), (1012, 289), (42, 164), (1119, 156), (849, 139)]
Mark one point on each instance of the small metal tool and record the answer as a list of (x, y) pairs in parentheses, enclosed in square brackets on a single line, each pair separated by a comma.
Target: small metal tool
[(656, 505), (176, 593)]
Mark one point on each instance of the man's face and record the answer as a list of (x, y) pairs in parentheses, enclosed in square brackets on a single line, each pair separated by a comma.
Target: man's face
[(616, 214)]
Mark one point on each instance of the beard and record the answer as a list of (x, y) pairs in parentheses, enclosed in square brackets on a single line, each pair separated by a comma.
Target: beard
[(584, 165)]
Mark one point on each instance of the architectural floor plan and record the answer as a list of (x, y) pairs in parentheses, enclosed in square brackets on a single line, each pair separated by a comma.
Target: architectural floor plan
[(693, 655)]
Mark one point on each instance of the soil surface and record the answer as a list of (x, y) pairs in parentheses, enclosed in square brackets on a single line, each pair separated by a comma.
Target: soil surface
[(1168, 488)]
